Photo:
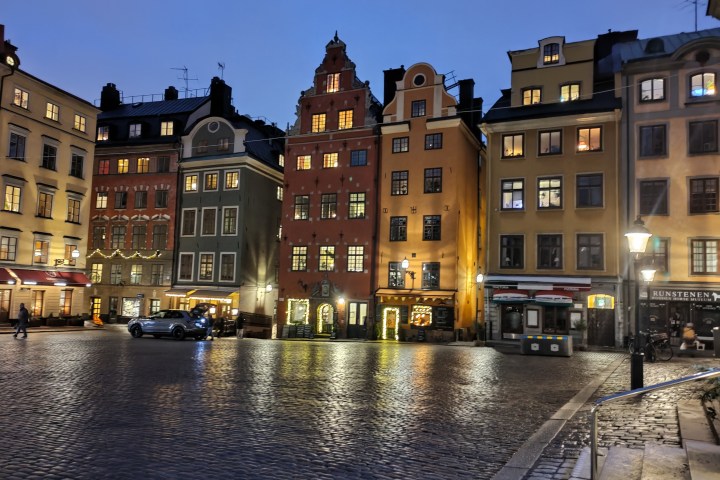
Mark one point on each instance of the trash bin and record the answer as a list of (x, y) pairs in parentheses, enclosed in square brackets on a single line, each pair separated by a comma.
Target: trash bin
[(716, 341), (554, 345)]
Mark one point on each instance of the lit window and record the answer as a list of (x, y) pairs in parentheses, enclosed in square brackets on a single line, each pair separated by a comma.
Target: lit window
[(20, 99), (513, 194), (513, 145), (302, 207), (166, 128), (279, 194), (103, 167), (430, 275), (135, 130), (330, 160), (357, 205), (652, 90), (12, 199), (304, 162), (345, 119), (143, 165), (8, 248), (96, 272), (356, 254), (531, 96), (206, 266), (52, 111), (229, 220), (589, 139), (191, 183), (704, 256), (333, 82), (318, 122), (73, 212), (79, 123), (550, 142), (326, 260), (417, 108), (328, 205), (570, 92), (45, 202), (551, 53), (231, 180), (101, 200), (702, 85), (211, 181), (550, 192), (103, 134), (299, 259), (281, 160), (399, 185), (123, 165)]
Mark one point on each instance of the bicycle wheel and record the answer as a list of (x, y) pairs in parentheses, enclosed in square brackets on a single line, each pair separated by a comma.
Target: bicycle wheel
[(650, 355), (664, 351)]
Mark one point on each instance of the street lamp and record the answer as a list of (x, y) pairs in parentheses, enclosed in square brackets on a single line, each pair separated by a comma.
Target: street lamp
[(405, 264), (638, 237), (479, 279)]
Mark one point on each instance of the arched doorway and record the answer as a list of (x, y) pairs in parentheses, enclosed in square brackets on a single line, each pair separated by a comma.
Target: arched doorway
[(325, 314)]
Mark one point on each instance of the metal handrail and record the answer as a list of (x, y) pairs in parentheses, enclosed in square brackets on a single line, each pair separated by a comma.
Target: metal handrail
[(712, 373)]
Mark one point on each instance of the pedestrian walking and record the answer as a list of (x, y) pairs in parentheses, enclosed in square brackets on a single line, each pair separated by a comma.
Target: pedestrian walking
[(221, 327), (22, 322), (240, 326)]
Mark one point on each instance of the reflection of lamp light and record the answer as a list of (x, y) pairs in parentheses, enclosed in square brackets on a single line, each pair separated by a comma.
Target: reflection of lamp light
[(235, 311), (38, 252), (638, 237), (479, 279)]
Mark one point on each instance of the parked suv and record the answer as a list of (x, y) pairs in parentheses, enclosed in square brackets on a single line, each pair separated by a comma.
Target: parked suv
[(169, 323)]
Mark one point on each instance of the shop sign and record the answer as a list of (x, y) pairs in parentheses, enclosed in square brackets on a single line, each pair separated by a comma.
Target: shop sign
[(671, 295)]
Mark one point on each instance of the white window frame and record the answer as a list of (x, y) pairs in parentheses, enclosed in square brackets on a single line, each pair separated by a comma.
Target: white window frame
[(222, 229), (182, 255)]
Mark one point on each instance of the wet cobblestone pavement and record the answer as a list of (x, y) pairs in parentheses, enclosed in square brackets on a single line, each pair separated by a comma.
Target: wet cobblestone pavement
[(99, 404)]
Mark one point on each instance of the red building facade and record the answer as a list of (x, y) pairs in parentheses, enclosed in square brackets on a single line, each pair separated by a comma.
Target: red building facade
[(330, 205)]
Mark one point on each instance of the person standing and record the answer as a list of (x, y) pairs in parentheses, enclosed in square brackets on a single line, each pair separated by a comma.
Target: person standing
[(240, 326), (23, 321), (210, 324)]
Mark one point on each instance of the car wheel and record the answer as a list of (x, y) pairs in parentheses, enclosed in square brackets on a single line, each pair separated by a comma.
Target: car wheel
[(136, 331), (178, 333), (157, 336)]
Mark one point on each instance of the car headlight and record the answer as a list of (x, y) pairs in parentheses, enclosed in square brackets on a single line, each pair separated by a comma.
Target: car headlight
[(199, 324)]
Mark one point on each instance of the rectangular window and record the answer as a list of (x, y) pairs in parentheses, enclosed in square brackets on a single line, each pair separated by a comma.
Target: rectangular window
[(156, 273), (330, 160), (135, 130), (433, 180), (191, 183), (396, 275), (73, 211), (69, 249), (417, 108), (399, 185), (304, 162), (143, 165), (658, 249), (326, 259), (136, 274), (45, 204), (209, 220), (703, 137), (653, 197), (513, 194), (205, 271), (512, 251), (123, 165), (163, 164), (531, 96), (345, 119), (302, 207), (356, 254), (230, 215), (37, 300), (704, 195), (550, 142), (227, 267), (211, 182), (333, 82), (299, 259), (52, 111), (590, 252), (166, 128), (77, 163), (79, 123), (702, 85), (159, 237), (431, 275), (232, 180), (400, 145), (279, 193), (652, 90), (328, 205), (513, 145), (551, 53), (356, 208), (115, 274), (570, 92), (704, 256), (40, 253), (8, 248), (358, 158), (188, 222), (589, 139), (96, 270), (589, 190), (139, 237), (431, 227), (185, 270), (161, 198), (98, 240), (117, 239), (103, 134), (281, 159), (433, 141), (103, 167), (318, 122), (49, 158), (12, 198), (652, 141), (21, 97), (141, 199), (550, 251), (65, 303), (120, 199), (223, 144), (550, 192), (398, 229), (16, 148)]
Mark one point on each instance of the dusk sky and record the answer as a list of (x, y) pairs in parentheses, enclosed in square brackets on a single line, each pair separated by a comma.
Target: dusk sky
[(271, 48)]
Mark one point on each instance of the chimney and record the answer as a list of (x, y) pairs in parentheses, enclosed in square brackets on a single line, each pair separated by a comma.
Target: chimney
[(392, 76), (109, 97), (220, 98), (171, 93)]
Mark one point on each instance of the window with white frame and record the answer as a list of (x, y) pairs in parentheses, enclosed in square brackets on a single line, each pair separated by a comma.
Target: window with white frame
[(326, 258), (80, 122), (704, 256), (232, 180), (191, 183), (8, 247), (227, 267), (356, 254), (188, 222), (166, 128), (116, 274), (185, 268), (209, 221), (13, 195), (117, 238), (229, 220), (298, 261), (21, 98), (135, 130), (211, 182), (205, 271)]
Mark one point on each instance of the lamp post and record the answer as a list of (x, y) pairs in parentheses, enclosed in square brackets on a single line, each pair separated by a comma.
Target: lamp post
[(479, 279), (637, 237)]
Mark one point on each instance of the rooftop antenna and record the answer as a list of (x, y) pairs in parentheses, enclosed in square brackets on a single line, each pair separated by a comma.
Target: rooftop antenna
[(185, 78), (221, 67), (695, 5)]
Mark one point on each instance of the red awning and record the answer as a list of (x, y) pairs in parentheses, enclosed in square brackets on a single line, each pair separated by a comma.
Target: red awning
[(554, 297), (76, 279), (5, 277), (38, 277), (509, 296)]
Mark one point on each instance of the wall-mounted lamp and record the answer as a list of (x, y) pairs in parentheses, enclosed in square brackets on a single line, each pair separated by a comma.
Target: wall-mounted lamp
[(405, 264), (268, 288), (64, 261)]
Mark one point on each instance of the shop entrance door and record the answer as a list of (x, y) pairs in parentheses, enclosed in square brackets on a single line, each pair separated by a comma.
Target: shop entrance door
[(601, 327)]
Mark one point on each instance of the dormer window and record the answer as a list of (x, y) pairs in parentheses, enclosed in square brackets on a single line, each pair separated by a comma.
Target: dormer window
[(551, 54), (702, 85), (135, 130), (570, 92), (333, 82), (531, 96)]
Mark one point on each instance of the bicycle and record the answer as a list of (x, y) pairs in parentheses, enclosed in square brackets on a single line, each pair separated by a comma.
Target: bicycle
[(657, 346)]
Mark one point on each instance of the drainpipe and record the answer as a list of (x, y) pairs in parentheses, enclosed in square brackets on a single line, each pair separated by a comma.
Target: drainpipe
[(372, 311)]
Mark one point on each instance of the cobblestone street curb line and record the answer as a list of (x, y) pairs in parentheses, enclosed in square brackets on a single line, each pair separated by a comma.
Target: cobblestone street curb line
[(529, 453)]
